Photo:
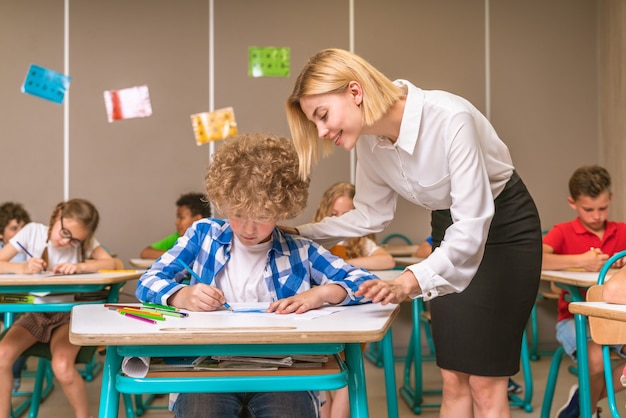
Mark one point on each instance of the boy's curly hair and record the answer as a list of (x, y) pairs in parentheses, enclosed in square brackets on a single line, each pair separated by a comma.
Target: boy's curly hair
[(256, 175)]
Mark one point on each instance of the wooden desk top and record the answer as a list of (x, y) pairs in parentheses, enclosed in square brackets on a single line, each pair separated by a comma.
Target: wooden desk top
[(68, 279), (572, 277), (599, 310), (96, 325)]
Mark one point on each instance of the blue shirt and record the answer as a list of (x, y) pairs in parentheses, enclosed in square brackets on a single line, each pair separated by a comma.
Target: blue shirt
[(295, 264)]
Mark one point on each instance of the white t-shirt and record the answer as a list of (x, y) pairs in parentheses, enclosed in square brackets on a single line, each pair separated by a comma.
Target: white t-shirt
[(34, 237), (241, 280)]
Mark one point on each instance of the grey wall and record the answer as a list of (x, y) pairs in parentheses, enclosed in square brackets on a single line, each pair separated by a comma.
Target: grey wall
[(542, 97)]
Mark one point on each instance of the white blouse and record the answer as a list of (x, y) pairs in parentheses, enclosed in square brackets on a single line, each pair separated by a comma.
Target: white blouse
[(447, 156)]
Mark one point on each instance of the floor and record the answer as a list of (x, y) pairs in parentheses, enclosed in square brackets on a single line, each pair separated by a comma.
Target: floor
[(56, 405)]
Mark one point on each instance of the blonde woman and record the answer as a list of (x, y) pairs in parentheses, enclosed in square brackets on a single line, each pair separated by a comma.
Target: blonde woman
[(436, 150)]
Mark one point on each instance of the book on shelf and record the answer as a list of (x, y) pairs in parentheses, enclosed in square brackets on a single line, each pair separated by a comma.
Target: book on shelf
[(226, 363), (37, 298)]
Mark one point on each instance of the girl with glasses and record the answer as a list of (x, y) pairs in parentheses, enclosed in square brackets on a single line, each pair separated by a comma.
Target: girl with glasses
[(66, 246)]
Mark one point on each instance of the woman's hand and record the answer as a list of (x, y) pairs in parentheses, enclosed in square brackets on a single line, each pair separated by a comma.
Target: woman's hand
[(390, 291), (199, 297)]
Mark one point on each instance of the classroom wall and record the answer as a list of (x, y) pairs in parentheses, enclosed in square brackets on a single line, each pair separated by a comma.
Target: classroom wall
[(531, 66)]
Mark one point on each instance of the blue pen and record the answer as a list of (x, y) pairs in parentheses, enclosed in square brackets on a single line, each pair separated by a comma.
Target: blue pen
[(24, 249), (27, 252), (193, 273)]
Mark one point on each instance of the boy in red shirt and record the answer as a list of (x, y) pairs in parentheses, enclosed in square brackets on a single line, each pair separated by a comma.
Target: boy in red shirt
[(585, 242)]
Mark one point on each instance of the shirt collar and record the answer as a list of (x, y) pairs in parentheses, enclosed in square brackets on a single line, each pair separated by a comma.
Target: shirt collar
[(411, 117), (609, 229)]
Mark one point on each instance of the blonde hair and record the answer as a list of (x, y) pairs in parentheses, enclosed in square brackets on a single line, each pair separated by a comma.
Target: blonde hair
[(355, 247), (257, 175), (331, 71), (80, 210)]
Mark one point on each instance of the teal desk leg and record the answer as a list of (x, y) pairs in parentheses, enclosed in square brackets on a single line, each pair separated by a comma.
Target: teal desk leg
[(356, 381), (583, 366), (109, 396), (390, 375), (608, 377)]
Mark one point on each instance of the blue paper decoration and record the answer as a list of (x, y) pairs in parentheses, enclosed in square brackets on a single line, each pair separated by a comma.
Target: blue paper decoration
[(45, 83)]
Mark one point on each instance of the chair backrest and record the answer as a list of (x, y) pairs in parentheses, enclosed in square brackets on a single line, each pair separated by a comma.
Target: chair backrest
[(399, 236), (604, 331)]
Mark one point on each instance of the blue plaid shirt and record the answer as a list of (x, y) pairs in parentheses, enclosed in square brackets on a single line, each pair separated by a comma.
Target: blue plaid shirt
[(295, 264)]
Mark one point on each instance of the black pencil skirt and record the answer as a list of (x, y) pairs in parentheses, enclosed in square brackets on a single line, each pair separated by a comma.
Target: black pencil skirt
[(479, 331)]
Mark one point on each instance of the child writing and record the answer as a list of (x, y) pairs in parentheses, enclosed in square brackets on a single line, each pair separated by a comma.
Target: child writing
[(362, 251), (253, 180), (61, 248), (189, 208), (585, 242)]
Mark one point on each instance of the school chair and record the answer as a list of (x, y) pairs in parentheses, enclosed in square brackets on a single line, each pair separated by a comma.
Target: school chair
[(399, 236), (606, 355), (606, 332)]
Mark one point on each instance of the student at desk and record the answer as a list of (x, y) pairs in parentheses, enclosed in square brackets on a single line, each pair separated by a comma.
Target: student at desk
[(59, 247), (13, 217), (253, 180), (585, 242), (190, 207)]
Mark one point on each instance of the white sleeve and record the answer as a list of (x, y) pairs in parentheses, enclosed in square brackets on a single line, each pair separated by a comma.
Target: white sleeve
[(451, 267)]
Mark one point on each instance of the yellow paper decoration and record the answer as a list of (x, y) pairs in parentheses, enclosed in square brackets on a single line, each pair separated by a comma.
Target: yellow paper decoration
[(214, 126)]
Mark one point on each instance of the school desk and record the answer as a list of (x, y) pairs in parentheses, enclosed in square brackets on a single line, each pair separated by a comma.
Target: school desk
[(73, 283), (608, 332), (229, 333), (572, 281)]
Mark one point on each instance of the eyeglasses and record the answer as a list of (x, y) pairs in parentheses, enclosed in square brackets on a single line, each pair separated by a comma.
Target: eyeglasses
[(66, 234)]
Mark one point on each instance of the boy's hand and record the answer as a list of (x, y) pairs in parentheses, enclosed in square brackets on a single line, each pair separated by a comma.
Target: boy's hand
[(593, 260), (200, 298), (300, 303)]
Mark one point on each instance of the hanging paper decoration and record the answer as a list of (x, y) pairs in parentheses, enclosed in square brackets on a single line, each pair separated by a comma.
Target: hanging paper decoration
[(132, 102), (46, 84), (268, 62), (214, 126)]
